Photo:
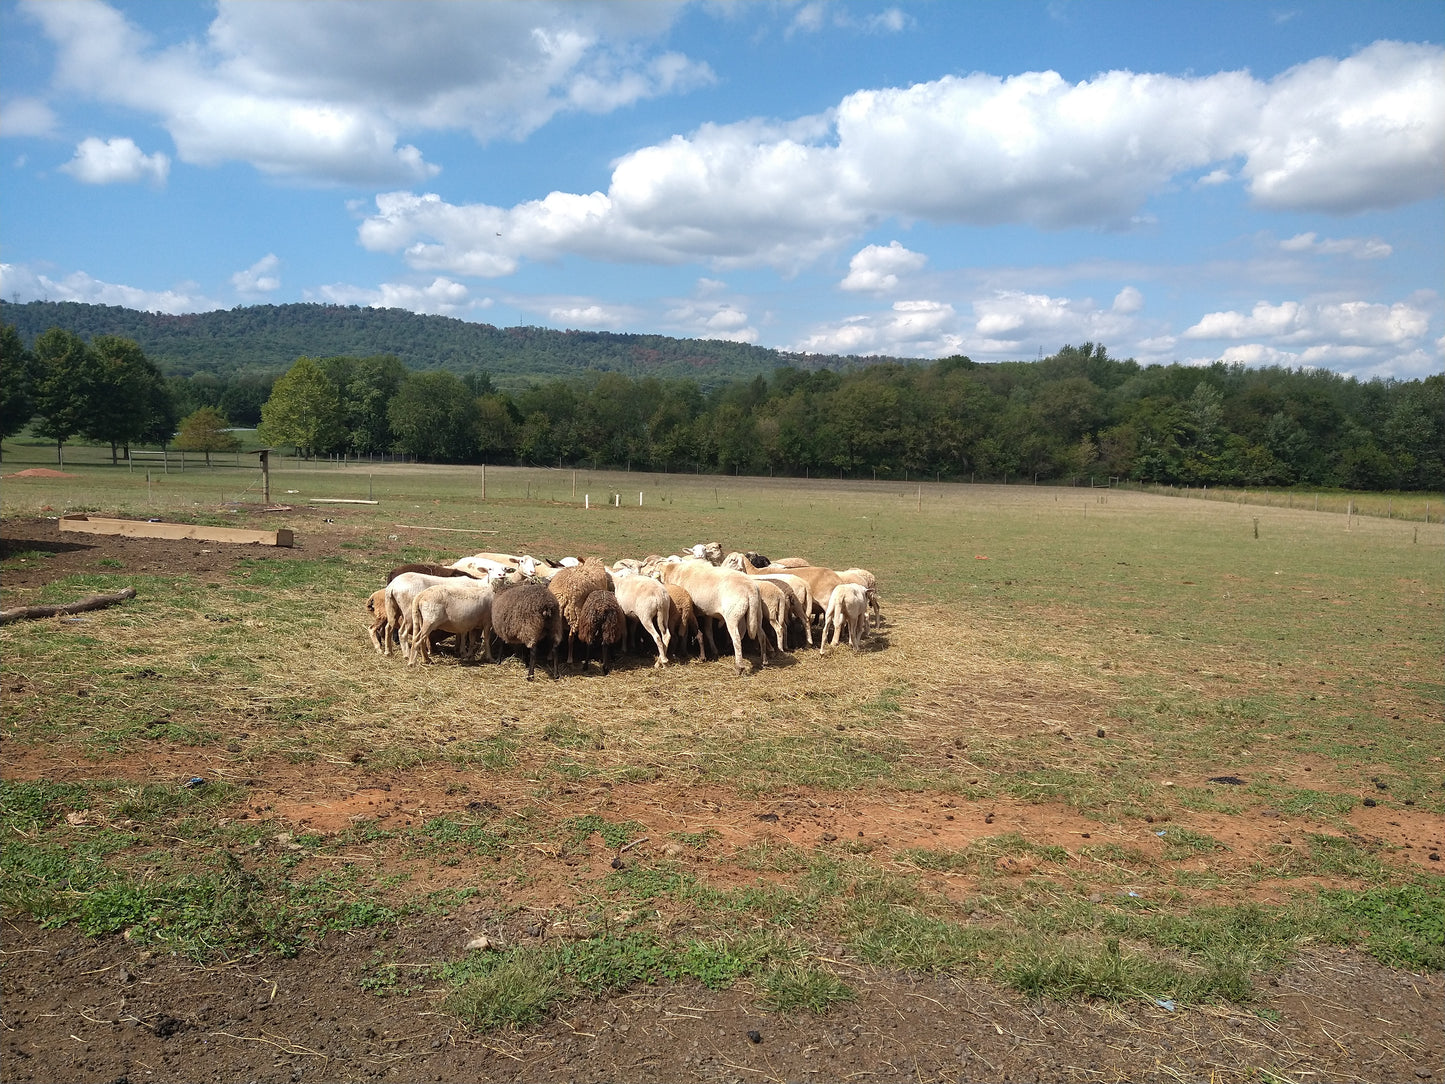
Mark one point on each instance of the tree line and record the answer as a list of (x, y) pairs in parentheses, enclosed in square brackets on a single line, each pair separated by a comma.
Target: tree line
[(1077, 415)]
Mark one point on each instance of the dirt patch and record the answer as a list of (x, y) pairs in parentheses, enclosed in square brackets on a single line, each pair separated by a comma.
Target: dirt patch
[(99, 1010), (42, 472), (102, 1009)]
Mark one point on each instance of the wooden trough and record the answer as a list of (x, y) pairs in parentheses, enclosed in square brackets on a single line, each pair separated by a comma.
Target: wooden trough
[(139, 528)]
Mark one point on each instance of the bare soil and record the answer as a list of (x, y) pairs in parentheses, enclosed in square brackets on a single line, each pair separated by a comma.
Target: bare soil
[(102, 1009)]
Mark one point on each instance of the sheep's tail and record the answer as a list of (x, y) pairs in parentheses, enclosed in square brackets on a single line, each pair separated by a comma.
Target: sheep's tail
[(755, 615)]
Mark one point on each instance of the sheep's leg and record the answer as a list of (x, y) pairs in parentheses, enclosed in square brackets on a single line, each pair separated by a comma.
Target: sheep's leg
[(704, 622), (736, 632), (532, 662), (656, 639)]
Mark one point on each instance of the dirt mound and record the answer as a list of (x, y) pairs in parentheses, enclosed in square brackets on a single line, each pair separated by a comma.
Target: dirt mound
[(41, 472)]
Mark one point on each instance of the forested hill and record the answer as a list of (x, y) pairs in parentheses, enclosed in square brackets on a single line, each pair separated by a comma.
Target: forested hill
[(269, 338)]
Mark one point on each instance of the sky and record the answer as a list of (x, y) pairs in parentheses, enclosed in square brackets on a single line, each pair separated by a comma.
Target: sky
[(1236, 180)]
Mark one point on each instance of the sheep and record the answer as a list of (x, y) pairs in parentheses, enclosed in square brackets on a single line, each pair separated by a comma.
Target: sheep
[(426, 569), (602, 623), (461, 607), (870, 582), (376, 606), (481, 565), (711, 552), (820, 581), (848, 604), (647, 601), (777, 603), (399, 595), (572, 585), (801, 604), (684, 620), (528, 615), (719, 592)]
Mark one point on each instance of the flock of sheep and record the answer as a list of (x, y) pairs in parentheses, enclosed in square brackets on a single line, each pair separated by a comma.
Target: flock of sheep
[(535, 605)]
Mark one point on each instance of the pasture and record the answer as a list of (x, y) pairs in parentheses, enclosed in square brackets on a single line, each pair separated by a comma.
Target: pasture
[(1127, 786)]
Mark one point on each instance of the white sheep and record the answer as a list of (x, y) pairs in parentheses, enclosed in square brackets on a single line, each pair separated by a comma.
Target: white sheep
[(800, 599), (848, 604), (648, 601), (722, 593), (400, 593), (461, 607), (869, 581)]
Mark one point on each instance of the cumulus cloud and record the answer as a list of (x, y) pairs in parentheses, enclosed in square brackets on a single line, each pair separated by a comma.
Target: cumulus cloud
[(1333, 324), (26, 117), (1361, 248), (1350, 135), (922, 328), (324, 91), (440, 297), (24, 284), (976, 149), (260, 278), (876, 268), (1128, 301), (703, 318), (116, 161)]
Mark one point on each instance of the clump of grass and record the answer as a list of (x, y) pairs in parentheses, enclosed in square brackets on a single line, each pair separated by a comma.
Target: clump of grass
[(799, 986)]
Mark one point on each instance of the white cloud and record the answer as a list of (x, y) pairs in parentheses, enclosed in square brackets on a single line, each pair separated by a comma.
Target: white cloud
[(324, 91), (876, 268), (587, 315), (1350, 323), (116, 161), (1350, 135), (1128, 301), (910, 329), (260, 278), (26, 117), (1361, 248), (703, 318), (440, 297), (23, 284), (976, 149)]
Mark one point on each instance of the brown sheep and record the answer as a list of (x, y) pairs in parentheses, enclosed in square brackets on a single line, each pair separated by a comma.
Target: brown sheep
[(528, 616), (602, 625), (571, 586)]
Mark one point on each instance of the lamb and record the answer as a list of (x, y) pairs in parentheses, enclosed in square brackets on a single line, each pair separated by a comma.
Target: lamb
[(870, 582), (847, 604), (684, 620), (602, 624), (571, 586), (461, 607), (647, 601), (400, 593), (528, 615), (720, 592)]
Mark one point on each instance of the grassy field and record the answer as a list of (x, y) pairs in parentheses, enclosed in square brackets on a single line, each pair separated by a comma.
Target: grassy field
[(1109, 743)]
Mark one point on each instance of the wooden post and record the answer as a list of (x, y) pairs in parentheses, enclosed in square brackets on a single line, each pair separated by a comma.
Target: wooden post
[(484, 482), (266, 476), (920, 496)]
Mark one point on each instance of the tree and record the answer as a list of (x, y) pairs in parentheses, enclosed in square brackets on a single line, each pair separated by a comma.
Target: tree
[(207, 431), (17, 382), (129, 400), (435, 417), (304, 410), (67, 375)]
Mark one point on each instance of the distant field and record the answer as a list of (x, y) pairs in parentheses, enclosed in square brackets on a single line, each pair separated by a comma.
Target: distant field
[(1207, 730)]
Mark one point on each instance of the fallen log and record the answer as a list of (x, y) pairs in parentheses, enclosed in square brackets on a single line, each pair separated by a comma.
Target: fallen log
[(95, 602)]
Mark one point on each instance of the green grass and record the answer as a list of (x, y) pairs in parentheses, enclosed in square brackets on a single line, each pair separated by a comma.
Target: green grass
[(1199, 650)]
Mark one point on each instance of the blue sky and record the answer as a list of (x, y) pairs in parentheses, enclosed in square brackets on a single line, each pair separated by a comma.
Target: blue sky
[(1182, 181)]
